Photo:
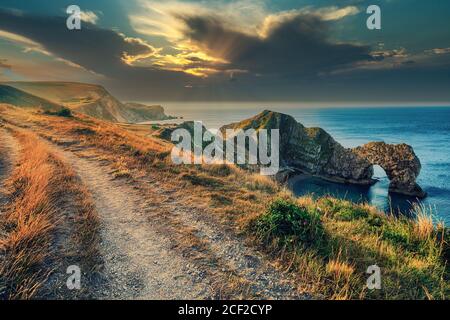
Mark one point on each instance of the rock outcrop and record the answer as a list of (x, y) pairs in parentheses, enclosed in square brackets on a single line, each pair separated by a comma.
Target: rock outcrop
[(400, 163), (147, 113), (166, 131), (314, 151)]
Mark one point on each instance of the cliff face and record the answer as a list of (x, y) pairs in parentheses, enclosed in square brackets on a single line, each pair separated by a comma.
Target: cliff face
[(147, 113), (314, 151), (310, 150), (92, 100), (166, 131)]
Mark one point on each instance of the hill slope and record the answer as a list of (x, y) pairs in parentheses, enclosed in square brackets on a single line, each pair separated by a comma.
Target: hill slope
[(23, 99), (90, 99)]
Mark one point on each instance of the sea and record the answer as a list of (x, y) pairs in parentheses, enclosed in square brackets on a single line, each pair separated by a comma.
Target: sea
[(426, 129)]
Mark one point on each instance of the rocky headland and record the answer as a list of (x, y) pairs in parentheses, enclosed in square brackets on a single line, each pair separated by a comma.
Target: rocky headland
[(313, 151)]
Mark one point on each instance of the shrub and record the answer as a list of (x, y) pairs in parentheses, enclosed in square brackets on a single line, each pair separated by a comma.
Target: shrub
[(397, 234), (64, 112), (83, 131), (343, 209), (220, 199), (288, 222)]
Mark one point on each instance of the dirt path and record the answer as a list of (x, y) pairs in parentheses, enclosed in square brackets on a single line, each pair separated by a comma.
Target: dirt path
[(142, 258), (138, 262), (234, 256)]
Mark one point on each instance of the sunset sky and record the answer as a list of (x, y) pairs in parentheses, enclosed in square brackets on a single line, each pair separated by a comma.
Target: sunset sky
[(244, 50)]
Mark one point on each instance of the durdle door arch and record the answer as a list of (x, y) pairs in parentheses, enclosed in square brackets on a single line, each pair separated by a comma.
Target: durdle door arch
[(400, 163)]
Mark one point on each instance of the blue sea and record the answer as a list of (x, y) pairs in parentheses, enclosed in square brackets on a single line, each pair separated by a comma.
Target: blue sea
[(427, 129)]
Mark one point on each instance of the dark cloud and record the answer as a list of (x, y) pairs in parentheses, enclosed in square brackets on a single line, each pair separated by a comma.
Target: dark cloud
[(95, 49), (296, 45), (293, 62)]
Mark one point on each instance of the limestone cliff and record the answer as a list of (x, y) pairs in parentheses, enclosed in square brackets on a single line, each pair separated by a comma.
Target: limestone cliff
[(314, 151), (144, 112), (400, 163), (90, 99), (166, 131)]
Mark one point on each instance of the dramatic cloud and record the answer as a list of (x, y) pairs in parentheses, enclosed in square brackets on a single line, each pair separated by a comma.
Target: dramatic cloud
[(104, 52), (335, 13), (224, 50), (295, 44), (28, 44), (192, 28), (160, 18), (89, 16), (95, 49)]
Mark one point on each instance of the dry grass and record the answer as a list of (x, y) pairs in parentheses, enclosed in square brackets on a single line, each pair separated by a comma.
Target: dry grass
[(341, 273), (412, 253), (424, 227), (33, 219), (261, 183)]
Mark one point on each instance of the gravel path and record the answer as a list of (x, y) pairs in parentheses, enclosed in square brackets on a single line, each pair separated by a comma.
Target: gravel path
[(140, 242), (138, 262)]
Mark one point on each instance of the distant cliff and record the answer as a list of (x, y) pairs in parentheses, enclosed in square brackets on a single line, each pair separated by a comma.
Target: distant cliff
[(147, 113), (90, 99), (314, 151)]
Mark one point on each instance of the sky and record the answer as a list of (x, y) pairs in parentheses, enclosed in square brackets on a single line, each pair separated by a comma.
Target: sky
[(236, 50)]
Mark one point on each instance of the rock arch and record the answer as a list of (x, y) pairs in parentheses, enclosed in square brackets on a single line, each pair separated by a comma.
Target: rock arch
[(313, 151), (400, 163)]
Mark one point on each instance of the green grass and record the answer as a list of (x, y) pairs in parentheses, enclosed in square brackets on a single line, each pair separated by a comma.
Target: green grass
[(330, 243), (289, 223)]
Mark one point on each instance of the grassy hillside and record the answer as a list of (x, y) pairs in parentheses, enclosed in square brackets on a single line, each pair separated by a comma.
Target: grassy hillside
[(89, 99), (23, 99)]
